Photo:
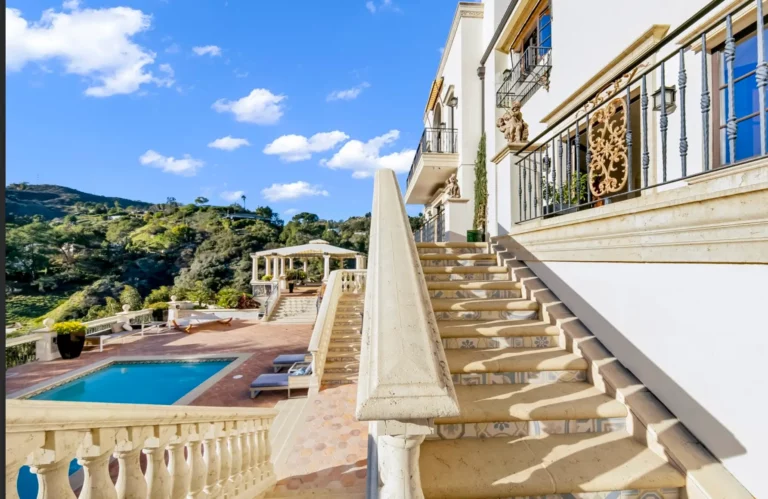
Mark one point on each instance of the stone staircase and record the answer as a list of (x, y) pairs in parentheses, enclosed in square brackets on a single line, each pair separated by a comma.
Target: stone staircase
[(531, 424), (296, 309), (343, 359)]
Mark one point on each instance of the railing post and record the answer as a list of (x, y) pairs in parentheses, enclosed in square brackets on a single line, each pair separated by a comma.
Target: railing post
[(157, 476), (94, 457)]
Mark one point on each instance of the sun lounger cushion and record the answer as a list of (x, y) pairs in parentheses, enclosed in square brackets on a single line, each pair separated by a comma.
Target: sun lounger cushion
[(287, 359), (270, 380)]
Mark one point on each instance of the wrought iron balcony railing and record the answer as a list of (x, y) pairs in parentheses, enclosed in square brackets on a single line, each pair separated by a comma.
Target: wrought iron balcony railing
[(615, 145), (529, 73), (434, 140), (432, 230)]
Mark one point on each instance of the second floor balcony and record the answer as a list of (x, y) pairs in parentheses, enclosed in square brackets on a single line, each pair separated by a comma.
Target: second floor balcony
[(436, 158), (528, 74)]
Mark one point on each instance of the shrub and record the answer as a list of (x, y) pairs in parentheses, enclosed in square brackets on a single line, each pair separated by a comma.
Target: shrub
[(266, 278), (161, 294), (160, 305), (228, 297), (129, 296), (73, 328), (295, 275)]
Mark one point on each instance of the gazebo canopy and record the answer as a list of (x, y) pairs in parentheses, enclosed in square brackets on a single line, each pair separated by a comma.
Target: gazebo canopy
[(315, 248)]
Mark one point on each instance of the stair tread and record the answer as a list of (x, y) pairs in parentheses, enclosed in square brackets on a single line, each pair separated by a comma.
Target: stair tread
[(497, 360), (482, 304), (496, 328), (346, 364), (458, 256), (454, 244), (533, 402), (551, 464), (339, 377), (465, 269), (473, 285)]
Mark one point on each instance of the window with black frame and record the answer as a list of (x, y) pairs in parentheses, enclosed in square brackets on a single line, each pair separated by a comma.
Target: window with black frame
[(745, 98)]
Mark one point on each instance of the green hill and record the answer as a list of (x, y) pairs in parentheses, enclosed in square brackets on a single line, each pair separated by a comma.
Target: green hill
[(52, 201)]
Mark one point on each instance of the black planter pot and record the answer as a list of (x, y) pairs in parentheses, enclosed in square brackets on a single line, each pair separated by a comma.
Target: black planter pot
[(70, 347), (290, 287)]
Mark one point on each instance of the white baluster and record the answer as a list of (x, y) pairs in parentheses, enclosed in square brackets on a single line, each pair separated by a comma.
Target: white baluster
[(130, 481), (177, 466), (97, 483), (236, 475), (212, 461), (245, 447), (256, 451), (267, 468), (196, 465), (53, 480), (222, 444), (158, 478)]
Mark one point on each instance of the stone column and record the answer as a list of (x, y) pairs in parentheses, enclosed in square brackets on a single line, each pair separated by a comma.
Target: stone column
[(290, 263), (275, 268), (358, 262), (326, 266), (305, 265), (282, 265), (254, 268)]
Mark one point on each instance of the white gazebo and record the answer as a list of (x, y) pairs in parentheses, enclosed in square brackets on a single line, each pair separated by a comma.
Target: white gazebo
[(275, 259)]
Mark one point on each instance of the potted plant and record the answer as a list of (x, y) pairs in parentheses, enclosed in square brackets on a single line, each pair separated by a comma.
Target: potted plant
[(70, 338), (291, 276), (266, 278)]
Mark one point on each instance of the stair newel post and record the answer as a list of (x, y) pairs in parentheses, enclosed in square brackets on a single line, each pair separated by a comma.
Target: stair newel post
[(94, 457), (398, 448), (157, 476), (225, 457), (130, 480), (198, 470), (51, 464), (177, 465), (212, 460), (236, 474), (245, 447)]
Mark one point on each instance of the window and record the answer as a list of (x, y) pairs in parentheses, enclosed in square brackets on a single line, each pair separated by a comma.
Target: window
[(745, 97), (537, 42)]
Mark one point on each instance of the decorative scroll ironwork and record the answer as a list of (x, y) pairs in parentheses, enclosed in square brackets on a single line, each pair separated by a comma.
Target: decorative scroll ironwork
[(608, 161), (611, 89)]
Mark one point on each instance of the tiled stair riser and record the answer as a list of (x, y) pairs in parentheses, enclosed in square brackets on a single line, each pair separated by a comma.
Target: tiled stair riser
[(495, 342), (475, 293), (456, 263), (451, 251), (527, 428), (529, 377), (495, 276), (486, 315), (624, 494)]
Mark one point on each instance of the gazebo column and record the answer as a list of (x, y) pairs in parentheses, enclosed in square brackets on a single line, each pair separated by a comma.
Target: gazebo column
[(275, 268), (290, 263), (282, 266), (305, 265), (254, 268), (326, 266)]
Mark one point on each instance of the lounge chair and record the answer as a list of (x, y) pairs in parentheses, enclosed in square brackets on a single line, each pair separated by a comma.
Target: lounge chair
[(298, 379), (287, 360), (187, 323)]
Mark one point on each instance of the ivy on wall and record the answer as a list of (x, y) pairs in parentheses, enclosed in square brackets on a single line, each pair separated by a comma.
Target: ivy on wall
[(481, 188)]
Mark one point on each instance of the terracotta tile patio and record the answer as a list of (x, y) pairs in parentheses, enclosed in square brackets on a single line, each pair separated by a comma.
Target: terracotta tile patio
[(264, 340)]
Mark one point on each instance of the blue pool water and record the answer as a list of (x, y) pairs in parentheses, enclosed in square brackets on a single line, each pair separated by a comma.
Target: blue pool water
[(160, 383)]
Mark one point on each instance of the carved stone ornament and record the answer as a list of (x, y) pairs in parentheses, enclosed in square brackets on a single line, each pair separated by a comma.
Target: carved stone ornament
[(512, 125), (608, 148), (452, 187)]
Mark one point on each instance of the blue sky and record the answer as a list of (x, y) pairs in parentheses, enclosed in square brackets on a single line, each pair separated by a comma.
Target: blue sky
[(294, 103)]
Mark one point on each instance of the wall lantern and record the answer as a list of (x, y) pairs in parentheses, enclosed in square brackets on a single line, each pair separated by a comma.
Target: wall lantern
[(669, 99), (453, 101)]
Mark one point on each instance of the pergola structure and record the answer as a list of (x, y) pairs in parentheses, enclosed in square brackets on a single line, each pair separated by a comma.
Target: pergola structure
[(275, 259)]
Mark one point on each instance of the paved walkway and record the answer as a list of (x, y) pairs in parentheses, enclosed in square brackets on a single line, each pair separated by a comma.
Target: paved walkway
[(264, 340), (328, 450)]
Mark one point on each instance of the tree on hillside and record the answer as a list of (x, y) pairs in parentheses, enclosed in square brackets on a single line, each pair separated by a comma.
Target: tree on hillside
[(200, 200), (129, 296)]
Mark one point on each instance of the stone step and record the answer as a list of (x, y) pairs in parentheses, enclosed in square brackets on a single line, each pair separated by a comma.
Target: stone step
[(451, 244), (339, 378), (541, 466), (497, 328), (342, 366), (466, 269), (473, 285), (527, 409), (505, 360), (456, 257), (342, 356), (482, 304)]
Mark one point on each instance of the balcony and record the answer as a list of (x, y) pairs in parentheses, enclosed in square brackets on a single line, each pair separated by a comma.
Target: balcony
[(529, 73), (436, 158)]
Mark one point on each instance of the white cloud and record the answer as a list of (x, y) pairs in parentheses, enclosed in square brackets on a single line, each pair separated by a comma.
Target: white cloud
[(290, 211), (292, 148), (260, 106), (228, 143), (71, 4), (173, 48), (240, 74), (383, 5), (348, 94), (295, 190), (232, 196), (167, 80), (365, 158), (371, 7), (186, 166), (211, 50), (93, 43)]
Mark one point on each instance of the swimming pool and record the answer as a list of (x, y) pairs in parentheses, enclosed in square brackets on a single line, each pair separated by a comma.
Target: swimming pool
[(156, 382)]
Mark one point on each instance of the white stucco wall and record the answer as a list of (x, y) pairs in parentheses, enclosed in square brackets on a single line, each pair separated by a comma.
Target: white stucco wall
[(695, 335)]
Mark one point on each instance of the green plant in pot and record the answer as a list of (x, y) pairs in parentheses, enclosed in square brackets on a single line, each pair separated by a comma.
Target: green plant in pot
[(294, 276), (70, 338), (266, 278)]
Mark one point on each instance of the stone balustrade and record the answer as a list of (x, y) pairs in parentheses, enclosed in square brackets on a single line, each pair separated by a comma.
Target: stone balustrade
[(404, 381), (353, 281), (211, 452)]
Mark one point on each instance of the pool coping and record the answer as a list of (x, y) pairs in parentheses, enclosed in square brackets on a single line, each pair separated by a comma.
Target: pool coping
[(237, 360)]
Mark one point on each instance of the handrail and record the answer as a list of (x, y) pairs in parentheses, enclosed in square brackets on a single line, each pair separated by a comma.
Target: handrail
[(403, 370), (20, 340), (271, 302), (321, 333)]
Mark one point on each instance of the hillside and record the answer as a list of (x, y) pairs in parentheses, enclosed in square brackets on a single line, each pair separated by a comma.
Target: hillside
[(85, 264), (51, 201)]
